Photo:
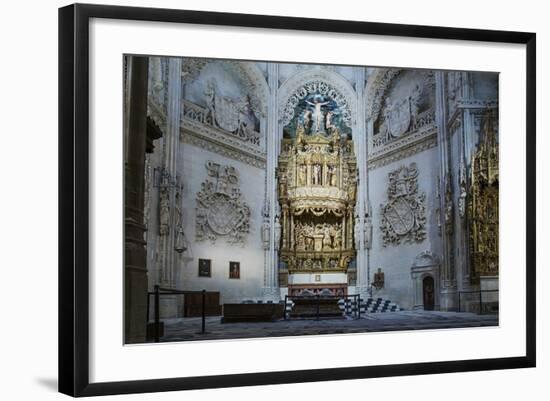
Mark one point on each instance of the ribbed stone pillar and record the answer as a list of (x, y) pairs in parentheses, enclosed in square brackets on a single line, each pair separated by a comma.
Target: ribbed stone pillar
[(135, 271), (270, 291), (449, 297), (360, 139)]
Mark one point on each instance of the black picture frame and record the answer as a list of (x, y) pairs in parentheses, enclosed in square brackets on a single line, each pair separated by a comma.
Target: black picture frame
[(74, 194), (205, 268), (235, 270)]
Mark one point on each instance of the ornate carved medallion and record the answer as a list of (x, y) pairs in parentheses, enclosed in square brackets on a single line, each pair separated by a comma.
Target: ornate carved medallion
[(221, 211), (404, 215)]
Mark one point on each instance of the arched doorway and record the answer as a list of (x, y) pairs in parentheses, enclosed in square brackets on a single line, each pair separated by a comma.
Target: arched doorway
[(428, 293)]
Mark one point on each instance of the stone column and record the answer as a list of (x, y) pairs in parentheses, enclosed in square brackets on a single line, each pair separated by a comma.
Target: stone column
[(360, 139), (449, 297), (271, 292), (135, 271), (465, 139), (169, 258)]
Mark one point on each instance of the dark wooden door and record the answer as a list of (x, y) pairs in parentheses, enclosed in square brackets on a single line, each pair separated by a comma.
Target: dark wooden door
[(428, 293)]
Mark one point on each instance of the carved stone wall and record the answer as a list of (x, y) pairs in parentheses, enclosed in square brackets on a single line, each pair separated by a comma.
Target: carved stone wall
[(400, 104), (221, 210), (222, 215), (404, 214), (400, 204)]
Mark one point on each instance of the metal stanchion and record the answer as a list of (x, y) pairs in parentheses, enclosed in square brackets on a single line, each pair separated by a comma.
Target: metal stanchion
[(317, 306), (203, 328), (284, 310), (157, 314), (148, 306), (480, 302)]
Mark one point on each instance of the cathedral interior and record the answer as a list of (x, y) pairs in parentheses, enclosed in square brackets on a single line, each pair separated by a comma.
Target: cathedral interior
[(267, 183)]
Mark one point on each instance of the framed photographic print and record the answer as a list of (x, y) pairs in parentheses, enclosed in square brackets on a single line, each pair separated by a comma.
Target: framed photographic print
[(376, 179)]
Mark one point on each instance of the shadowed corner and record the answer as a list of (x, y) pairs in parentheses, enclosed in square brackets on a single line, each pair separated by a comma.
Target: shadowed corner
[(48, 382)]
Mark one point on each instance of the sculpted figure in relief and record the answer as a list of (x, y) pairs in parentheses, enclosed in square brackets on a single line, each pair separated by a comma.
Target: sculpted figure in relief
[(282, 185), (307, 120), (302, 175), (210, 97), (265, 233), (326, 237), (331, 175), (277, 233), (316, 174), (414, 100), (318, 115), (164, 211), (329, 123), (449, 208), (357, 230), (246, 122), (462, 196)]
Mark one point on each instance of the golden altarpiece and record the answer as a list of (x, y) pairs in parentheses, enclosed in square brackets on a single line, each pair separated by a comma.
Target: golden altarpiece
[(484, 206), (317, 193)]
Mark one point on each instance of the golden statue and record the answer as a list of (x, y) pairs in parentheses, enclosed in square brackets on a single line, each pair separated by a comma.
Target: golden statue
[(317, 188)]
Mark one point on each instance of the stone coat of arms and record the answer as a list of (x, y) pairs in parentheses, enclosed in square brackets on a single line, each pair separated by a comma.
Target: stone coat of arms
[(221, 211), (404, 214)]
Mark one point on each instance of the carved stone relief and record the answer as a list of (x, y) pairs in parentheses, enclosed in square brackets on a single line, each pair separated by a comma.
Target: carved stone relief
[(376, 89), (462, 204), (404, 214), (318, 87), (483, 203), (250, 78), (266, 228), (164, 204), (322, 81), (367, 228), (449, 207), (221, 211), (180, 244), (406, 105), (232, 115)]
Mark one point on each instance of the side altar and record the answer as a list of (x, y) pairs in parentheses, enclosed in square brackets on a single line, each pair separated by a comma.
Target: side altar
[(317, 183)]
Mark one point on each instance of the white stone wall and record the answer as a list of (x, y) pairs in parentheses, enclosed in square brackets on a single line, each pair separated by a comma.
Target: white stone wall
[(270, 85), (396, 260), (250, 256)]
